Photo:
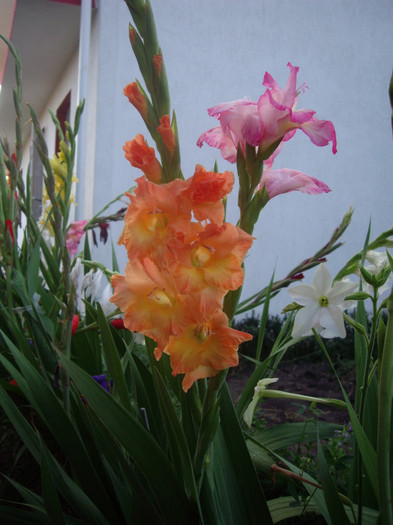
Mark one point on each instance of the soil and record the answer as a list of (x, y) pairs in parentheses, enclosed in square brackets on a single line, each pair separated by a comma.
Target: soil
[(300, 377)]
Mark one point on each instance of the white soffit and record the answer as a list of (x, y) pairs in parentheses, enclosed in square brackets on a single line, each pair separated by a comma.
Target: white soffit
[(7, 11), (46, 34)]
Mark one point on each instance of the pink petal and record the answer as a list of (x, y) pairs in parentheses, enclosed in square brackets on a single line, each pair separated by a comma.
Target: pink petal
[(269, 82), (286, 180), (217, 111), (74, 235), (321, 132), (290, 89), (252, 129), (304, 115), (216, 138)]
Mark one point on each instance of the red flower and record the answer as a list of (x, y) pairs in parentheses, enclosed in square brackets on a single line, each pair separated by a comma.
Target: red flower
[(75, 324), (9, 227), (117, 323)]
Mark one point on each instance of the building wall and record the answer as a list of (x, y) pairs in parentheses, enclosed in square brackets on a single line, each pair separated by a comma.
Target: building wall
[(219, 51)]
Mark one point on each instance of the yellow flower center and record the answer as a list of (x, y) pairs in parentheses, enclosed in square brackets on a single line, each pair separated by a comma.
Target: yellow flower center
[(200, 256), (323, 301), (156, 221), (160, 297), (202, 332)]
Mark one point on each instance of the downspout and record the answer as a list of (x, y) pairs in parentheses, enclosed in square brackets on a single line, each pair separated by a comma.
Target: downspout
[(84, 193)]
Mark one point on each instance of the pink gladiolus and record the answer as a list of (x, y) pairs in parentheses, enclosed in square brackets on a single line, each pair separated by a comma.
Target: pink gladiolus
[(74, 235), (265, 122)]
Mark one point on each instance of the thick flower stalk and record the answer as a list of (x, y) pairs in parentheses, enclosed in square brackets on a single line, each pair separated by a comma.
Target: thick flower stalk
[(183, 259)]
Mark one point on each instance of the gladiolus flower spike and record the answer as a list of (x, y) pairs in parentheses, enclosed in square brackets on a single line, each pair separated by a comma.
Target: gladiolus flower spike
[(183, 259)]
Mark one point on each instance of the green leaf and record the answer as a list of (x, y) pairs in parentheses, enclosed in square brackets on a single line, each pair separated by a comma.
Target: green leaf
[(115, 264), (358, 296), (33, 269), (264, 458), (145, 396), (113, 360), (259, 373), (49, 408), (332, 498), (51, 499), (360, 351), (381, 331), (367, 451), (130, 489), (265, 314), (73, 495), (250, 491), (86, 250), (287, 434), (177, 442), (286, 507), (141, 446), (12, 515), (33, 501)]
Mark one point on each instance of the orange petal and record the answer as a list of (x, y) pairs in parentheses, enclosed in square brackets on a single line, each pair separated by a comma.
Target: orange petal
[(157, 214), (137, 98), (138, 153), (206, 189), (167, 134), (203, 349)]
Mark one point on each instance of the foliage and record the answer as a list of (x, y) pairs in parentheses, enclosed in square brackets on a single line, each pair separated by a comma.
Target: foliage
[(106, 430)]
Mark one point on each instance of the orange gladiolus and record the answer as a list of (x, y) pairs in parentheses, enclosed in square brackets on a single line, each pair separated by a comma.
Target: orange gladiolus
[(214, 260), (137, 99), (141, 156), (156, 214), (166, 132), (150, 301), (206, 189), (203, 349)]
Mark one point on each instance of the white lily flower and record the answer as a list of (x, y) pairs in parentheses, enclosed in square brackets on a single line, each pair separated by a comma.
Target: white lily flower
[(91, 283), (379, 261), (323, 305), (75, 274), (106, 305), (258, 393)]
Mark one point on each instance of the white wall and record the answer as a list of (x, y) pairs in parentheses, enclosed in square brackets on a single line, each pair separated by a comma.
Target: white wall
[(217, 51)]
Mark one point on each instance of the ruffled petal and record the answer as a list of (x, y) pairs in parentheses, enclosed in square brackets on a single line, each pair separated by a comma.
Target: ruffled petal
[(320, 132), (287, 180)]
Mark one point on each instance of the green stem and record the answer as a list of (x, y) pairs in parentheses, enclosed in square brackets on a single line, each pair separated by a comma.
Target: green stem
[(209, 422), (385, 395), (362, 404)]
